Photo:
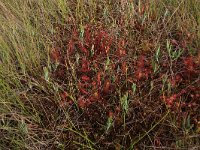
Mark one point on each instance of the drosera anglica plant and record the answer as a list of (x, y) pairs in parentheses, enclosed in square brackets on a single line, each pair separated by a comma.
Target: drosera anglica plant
[(65, 67), (108, 82)]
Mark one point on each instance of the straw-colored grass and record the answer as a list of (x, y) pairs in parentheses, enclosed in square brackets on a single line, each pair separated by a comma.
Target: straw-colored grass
[(142, 94)]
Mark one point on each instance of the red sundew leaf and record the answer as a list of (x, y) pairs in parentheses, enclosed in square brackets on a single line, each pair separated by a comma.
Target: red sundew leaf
[(83, 91), (183, 44), (157, 142), (103, 34), (143, 10), (96, 95), (183, 104), (198, 58), (117, 79), (191, 87), (192, 95), (81, 103), (85, 70), (81, 84), (107, 48), (124, 67), (173, 97), (87, 35), (85, 66), (183, 91), (142, 73), (173, 41), (164, 64), (64, 95), (121, 48), (106, 87), (74, 33), (96, 66), (146, 75), (113, 65), (85, 78), (117, 109), (94, 57), (55, 55), (178, 78), (139, 75), (173, 83), (110, 41), (121, 43), (98, 39), (85, 60), (169, 102), (197, 95), (100, 42), (177, 104), (103, 46), (60, 73), (84, 85), (63, 103), (163, 97), (120, 52), (130, 80), (91, 99), (94, 83), (110, 114), (70, 48), (71, 102), (99, 78), (189, 63), (141, 62), (83, 49)]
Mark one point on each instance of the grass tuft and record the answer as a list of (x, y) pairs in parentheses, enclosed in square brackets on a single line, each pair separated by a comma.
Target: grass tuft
[(99, 74)]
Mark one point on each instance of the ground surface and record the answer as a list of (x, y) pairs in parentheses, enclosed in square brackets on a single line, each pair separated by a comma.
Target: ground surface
[(93, 74)]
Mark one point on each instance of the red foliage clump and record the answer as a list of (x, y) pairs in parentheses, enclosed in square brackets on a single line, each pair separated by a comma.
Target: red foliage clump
[(104, 74)]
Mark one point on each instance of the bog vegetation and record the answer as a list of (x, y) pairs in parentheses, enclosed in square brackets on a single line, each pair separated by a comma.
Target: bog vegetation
[(93, 74)]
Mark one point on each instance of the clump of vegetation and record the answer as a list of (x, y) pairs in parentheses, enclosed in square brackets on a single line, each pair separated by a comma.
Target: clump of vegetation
[(100, 74)]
